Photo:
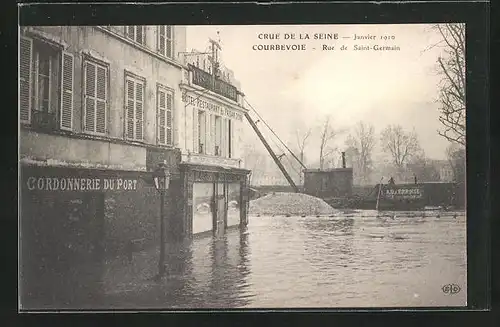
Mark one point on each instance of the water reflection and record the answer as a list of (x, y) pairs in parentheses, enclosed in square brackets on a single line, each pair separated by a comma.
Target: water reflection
[(208, 273), (313, 262)]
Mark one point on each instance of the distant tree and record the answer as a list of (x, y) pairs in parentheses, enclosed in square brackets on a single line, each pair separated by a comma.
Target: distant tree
[(360, 144), (302, 134), (254, 160), (452, 95), (326, 147), (400, 145), (457, 159)]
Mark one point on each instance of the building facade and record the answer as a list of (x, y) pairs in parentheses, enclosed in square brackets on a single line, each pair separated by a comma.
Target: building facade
[(97, 112), (214, 181), (99, 108)]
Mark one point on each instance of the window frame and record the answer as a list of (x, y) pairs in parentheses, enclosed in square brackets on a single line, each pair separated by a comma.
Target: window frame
[(35, 86), (51, 118), (167, 91), (134, 37), (163, 52), (202, 127), (97, 63), (135, 79)]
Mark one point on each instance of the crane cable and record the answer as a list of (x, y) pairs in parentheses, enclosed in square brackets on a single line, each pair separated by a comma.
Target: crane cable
[(286, 147)]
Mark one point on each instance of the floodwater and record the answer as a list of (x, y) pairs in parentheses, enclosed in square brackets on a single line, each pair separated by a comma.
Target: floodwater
[(356, 260)]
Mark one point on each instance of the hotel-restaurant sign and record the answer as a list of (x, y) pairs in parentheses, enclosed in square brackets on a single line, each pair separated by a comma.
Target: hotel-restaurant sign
[(212, 107)]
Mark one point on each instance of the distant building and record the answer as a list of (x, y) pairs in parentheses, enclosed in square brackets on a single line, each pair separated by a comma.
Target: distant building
[(445, 170)]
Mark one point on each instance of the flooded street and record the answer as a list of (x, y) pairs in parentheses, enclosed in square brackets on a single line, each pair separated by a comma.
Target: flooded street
[(360, 261)]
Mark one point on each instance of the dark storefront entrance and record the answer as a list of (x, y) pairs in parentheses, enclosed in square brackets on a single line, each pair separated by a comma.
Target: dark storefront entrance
[(72, 220), (61, 239)]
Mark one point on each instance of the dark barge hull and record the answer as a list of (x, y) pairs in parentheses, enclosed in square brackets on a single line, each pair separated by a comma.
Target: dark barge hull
[(371, 204), (402, 197)]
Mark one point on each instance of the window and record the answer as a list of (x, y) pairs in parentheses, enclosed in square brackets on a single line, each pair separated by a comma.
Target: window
[(135, 33), (95, 96), (165, 43), (218, 136), (229, 137), (202, 135), (164, 114), (134, 107), (45, 85)]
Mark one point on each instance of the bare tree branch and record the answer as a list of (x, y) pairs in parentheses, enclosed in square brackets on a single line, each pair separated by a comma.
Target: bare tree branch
[(326, 137), (452, 95), (400, 145)]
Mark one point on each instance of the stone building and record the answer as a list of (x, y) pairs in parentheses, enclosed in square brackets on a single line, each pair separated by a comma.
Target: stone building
[(99, 108), (212, 173)]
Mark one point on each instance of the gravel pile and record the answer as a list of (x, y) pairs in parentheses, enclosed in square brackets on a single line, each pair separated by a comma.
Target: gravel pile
[(290, 204)]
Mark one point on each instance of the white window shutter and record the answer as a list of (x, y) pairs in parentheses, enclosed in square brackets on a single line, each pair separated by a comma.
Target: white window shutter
[(196, 141), (25, 68), (169, 118), (161, 39), (169, 45), (130, 32), (67, 77), (90, 94), (161, 116), (139, 110), (101, 99), (139, 34), (231, 135), (208, 133), (129, 108)]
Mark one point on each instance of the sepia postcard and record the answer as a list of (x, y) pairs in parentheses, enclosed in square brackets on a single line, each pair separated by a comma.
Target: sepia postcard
[(242, 166)]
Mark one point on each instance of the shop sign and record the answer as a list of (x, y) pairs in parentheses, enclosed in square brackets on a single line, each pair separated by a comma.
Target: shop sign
[(217, 109), (82, 184)]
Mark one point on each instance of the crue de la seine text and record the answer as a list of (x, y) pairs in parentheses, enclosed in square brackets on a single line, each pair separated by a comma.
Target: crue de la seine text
[(290, 36), (273, 42)]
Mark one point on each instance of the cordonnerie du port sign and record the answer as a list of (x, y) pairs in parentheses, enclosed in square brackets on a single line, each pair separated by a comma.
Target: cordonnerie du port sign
[(81, 184)]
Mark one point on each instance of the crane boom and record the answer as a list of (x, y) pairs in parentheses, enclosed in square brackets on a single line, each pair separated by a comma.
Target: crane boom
[(271, 152)]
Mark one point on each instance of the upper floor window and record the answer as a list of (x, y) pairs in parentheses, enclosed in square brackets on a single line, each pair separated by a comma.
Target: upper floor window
[(164, 114), (135, 33), (134, 107), (229, 138), (202, 131), (165, 41), (95, 93), (46, 76), (218, 136)]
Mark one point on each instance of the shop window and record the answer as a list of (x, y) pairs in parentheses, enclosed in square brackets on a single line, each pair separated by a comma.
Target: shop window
[(164, 114), (45, 85), (95, 92), (136, 33), (165, 40)]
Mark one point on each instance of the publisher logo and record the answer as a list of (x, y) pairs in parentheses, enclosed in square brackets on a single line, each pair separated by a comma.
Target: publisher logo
[(451, 289)]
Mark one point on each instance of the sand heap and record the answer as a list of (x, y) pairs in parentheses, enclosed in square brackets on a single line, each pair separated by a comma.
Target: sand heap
[(292, 204)]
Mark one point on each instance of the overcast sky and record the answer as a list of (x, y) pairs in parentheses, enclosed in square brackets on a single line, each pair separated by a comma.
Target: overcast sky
[(379, 87)]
